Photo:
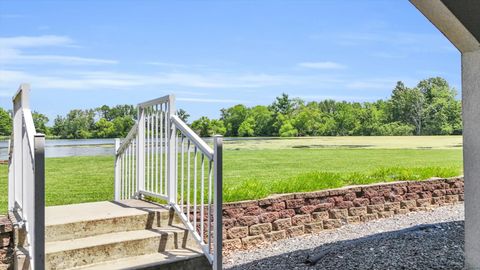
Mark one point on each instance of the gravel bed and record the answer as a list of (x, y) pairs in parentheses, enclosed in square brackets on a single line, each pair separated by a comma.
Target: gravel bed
[(421, 240)]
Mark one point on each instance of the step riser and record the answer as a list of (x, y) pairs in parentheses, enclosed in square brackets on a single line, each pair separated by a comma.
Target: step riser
[(197, 263), (111, 225), (79, 257)]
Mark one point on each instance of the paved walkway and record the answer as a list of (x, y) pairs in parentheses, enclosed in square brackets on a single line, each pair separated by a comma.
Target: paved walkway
[(422, 240)]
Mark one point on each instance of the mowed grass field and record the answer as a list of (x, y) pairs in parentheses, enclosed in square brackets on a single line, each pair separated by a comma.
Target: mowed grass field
[(257, 168)]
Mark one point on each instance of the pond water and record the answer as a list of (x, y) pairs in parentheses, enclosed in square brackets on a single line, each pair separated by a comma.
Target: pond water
[(85, 147), (67, 148)]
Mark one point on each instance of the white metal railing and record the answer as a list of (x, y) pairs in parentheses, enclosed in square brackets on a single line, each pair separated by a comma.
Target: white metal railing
[(26, 178), (162, 157)]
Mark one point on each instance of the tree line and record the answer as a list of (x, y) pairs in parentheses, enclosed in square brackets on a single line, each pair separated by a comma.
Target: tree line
[(429, 108)]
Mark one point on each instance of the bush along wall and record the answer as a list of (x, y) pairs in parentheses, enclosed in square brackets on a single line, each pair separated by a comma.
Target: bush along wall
[(251, 223)]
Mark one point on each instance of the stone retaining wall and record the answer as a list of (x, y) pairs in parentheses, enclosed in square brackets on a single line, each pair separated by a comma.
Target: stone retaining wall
[(250, 223), (6, 243)]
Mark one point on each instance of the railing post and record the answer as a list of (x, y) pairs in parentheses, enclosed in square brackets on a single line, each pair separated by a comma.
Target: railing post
[(141, 152), (20, 102), (11, 182), (172, 153), (218, 201), (117, 171), (39, 203)]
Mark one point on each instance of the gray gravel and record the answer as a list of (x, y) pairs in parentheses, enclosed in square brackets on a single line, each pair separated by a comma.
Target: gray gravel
[(400, 242)]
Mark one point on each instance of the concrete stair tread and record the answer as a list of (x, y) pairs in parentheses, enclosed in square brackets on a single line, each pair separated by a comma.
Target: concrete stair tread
[(110, 238), (146, 261), (65, 214)]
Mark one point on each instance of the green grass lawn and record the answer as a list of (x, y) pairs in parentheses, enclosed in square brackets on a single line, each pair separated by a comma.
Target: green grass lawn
[(256, 169)]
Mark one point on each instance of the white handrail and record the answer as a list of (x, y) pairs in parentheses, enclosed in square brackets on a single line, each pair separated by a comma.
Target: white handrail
[(27, 178), (130, 136), (163, 157), (188, 132)]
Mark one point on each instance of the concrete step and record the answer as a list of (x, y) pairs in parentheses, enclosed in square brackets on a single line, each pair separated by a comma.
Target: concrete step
[(68, 222), (68, 254), (179, 259)]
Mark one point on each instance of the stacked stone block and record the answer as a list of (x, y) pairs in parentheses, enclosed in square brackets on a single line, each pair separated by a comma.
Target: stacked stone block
[(6, 243), (251, 223)]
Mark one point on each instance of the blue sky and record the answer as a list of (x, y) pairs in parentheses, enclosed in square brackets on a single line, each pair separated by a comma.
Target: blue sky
[(214, 54)]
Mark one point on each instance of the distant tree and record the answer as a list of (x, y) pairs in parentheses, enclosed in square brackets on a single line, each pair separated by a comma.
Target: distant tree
[(207, 128), (287, 130), (110, 113), (40, 121), (283, 105), (5, 122), (104, 129), (307, 120), (233, 117), (202, 126), (123, 125), (395, 129), (263, 120), (183, 115), (442, 111), (247, 128), (408, 106), (217, 127), (78, 124)]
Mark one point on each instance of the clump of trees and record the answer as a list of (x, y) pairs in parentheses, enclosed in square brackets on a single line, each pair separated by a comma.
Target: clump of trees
[(102, 122), (429, 108)]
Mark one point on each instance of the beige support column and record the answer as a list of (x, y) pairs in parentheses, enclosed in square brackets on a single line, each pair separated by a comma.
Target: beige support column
[(471, 155)]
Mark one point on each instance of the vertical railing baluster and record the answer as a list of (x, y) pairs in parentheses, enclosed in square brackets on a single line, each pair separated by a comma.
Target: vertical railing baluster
[(121, 176), (172, 174), (129, 168), (147, 150), (152, 149), (162, 174), (202, 197), (176, 168), (167, 141), (124, 176), (117, 167), (209, 222), (130, 191), (134, 188), (188, 179), (156, 149), (195, 188), (183, 171), (140, 151)]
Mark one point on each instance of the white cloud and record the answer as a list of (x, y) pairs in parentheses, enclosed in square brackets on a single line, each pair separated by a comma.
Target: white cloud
[(97, 80), (165, 64), (12, 51), (377, 83), (34, 41), (321, 65)]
